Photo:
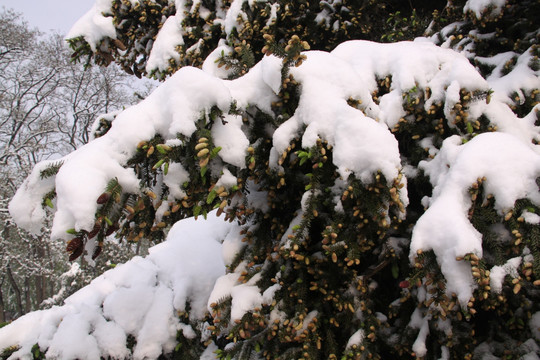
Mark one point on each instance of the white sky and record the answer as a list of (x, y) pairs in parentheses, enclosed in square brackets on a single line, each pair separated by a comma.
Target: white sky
[(58, 15)]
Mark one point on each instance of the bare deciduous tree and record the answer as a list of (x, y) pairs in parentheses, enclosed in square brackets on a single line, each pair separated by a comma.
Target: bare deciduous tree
[(47, 107)]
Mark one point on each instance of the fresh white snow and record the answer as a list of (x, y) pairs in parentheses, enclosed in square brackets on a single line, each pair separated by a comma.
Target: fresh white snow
[(510, 168), (141, 297), (94, 26)]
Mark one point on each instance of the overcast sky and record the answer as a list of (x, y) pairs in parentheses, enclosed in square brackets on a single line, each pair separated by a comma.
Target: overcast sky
[(58, 15)]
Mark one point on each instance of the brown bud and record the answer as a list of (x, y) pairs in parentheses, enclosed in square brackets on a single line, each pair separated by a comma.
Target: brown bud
[(103, 198), (204, 162), (97, 251), (201, 146), (111, 229), (94, 231), (76, 253), (74, 244), (119, 44)]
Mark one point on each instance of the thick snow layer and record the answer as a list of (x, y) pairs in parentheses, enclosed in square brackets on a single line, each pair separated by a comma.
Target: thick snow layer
[(86, 172), (508, 89), (326, 86), (174, 179), (33, 190), (94, 25), (510, 168), (327, 80), (164, 48), (521, 78), (140, 298), (210, 64), (244, 297), (412, 65), (259, 86), (531, 218), (228, 135), (192, 270), (362, 141), (234, 14)]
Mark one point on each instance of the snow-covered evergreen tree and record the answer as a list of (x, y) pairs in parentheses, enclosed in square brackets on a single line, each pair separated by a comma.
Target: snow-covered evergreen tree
[(372, 200)]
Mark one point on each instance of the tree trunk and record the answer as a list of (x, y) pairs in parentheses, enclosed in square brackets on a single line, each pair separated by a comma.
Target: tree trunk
[(16, 290), (27, 301), (49, 281), (39, 281), (2, 309)]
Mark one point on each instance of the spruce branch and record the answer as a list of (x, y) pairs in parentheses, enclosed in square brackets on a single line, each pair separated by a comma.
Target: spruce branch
[(50, 170)]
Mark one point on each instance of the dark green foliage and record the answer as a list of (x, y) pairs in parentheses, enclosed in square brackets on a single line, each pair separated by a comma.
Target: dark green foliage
[(105, 123), (513, 31), (51, 170), (137, 26), (36, 352), (403, 28), (7, 352)]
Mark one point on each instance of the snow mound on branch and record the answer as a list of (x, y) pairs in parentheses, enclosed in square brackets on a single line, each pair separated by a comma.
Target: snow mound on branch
[(510, 168), (480, 7), (32, 191), (86, 172), (507, 88), (411, 66), (140, 298), (362, 140), (94, 26), (521, 79), (363, 145), (351, 71), (170, 36), (327, 82)]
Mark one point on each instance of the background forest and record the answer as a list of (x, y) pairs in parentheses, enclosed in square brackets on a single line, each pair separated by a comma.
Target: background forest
[(48, 105)]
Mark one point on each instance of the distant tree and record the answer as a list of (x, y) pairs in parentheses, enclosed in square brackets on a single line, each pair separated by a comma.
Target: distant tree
[(47, 107)]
